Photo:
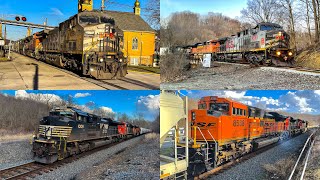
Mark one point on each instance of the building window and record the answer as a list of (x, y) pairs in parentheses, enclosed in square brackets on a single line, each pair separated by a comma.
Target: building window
[(134, 43)]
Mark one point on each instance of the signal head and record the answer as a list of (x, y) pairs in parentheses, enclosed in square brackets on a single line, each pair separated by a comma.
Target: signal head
[(24, 19), (17, 18)]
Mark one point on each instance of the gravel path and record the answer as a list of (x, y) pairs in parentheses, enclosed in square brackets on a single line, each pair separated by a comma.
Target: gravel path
[(15, 153), (252, 169), (240, 77), (69, 171), (136, 162)]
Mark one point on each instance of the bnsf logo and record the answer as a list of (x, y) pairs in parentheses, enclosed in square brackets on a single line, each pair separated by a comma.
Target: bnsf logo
[(203, 124)]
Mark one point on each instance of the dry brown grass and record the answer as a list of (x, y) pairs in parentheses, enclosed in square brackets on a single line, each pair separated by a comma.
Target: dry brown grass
[(309, 58), (6, 136), (4, 59), (151, 136), (281, 169)]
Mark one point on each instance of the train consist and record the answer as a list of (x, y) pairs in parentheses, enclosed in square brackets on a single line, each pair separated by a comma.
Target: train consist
[(89, 43), (222, 130), (265, 44), (69, 131)]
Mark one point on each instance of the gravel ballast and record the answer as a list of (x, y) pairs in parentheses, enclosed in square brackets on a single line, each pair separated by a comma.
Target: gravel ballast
[(242, 77), (71, 170), (136, 162), (15, 153), (252, 169)]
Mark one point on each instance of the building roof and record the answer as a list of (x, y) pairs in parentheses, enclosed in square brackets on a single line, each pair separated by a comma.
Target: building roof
[(127, 21)]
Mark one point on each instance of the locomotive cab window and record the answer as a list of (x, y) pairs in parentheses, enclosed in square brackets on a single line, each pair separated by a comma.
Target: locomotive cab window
[(88, 20), (222, 107)]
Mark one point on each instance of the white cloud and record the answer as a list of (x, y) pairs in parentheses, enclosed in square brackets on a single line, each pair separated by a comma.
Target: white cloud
[(79, 95), (56, 12), (106, 109), (44, 98), (298, 102), (150, 102)]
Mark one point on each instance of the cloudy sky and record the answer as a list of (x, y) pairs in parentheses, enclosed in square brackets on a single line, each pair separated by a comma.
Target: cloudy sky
[(124, 101), (55, 10), (229, 8), (307, 102)]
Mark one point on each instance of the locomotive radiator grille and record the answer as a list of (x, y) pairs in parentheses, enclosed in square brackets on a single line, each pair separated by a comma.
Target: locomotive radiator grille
[(55, 131)]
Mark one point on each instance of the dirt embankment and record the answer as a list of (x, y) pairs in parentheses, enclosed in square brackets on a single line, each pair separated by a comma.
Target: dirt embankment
[(309, 58)]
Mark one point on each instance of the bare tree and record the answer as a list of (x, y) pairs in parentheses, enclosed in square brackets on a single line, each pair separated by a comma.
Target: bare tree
[(315, 5), (153, 6), (261, 11)]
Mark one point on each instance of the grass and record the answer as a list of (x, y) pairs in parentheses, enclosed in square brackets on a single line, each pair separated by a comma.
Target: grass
[(281, 169), (152, 136), (145, 69), (309, 58), (6, 136), (4, 59)]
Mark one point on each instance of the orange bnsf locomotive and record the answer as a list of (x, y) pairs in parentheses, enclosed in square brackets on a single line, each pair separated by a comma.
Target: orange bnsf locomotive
[(265, 44), (223, 130)]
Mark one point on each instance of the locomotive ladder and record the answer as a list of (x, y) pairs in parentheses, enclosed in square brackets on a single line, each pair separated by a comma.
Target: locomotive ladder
[(207, 147), (184, 174)]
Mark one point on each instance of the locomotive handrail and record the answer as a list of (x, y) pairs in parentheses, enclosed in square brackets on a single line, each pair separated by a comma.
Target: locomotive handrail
[(207, 149), (302, 151)]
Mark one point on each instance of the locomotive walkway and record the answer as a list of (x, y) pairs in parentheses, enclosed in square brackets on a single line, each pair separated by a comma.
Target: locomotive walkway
[(27, 73)]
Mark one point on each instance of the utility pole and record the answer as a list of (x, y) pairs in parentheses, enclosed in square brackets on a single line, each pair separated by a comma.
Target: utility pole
[(1, 30), (5, 33), (102, 5)]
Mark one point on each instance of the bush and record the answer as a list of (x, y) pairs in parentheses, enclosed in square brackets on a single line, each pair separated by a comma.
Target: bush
[(172, 66)]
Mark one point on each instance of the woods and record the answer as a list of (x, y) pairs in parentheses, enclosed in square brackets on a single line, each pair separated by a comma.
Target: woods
[(19, 115)]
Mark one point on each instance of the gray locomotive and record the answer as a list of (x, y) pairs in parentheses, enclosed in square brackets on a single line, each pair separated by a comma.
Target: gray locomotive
[(88, 42)]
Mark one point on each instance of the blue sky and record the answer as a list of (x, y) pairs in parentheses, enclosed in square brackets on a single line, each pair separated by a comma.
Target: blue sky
[(124, 101), (307, 101), (55, 10), (229, 8)]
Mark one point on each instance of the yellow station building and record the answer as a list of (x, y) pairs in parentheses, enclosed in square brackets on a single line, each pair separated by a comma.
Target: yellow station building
[(139, 37)]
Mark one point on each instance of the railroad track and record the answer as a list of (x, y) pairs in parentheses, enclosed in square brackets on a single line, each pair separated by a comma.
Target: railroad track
[(33, 169), (229, 165), (122, 84), (300, 166)]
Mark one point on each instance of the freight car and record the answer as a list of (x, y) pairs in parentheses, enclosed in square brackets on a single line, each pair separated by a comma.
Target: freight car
[(265, 44), (69, 131), (88, 42), (223, 130)]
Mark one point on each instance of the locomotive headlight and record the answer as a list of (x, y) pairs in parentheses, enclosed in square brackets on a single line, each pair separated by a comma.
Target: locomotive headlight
[(278, 53), (280, 33), (120, 60), (91, 69), (290, 53), (101, 60)]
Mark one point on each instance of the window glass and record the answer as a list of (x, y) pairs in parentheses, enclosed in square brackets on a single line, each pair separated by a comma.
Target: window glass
[(106, 20), (234, 111), (241, 111), (89, 20), (222, 107), (134, 44)]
